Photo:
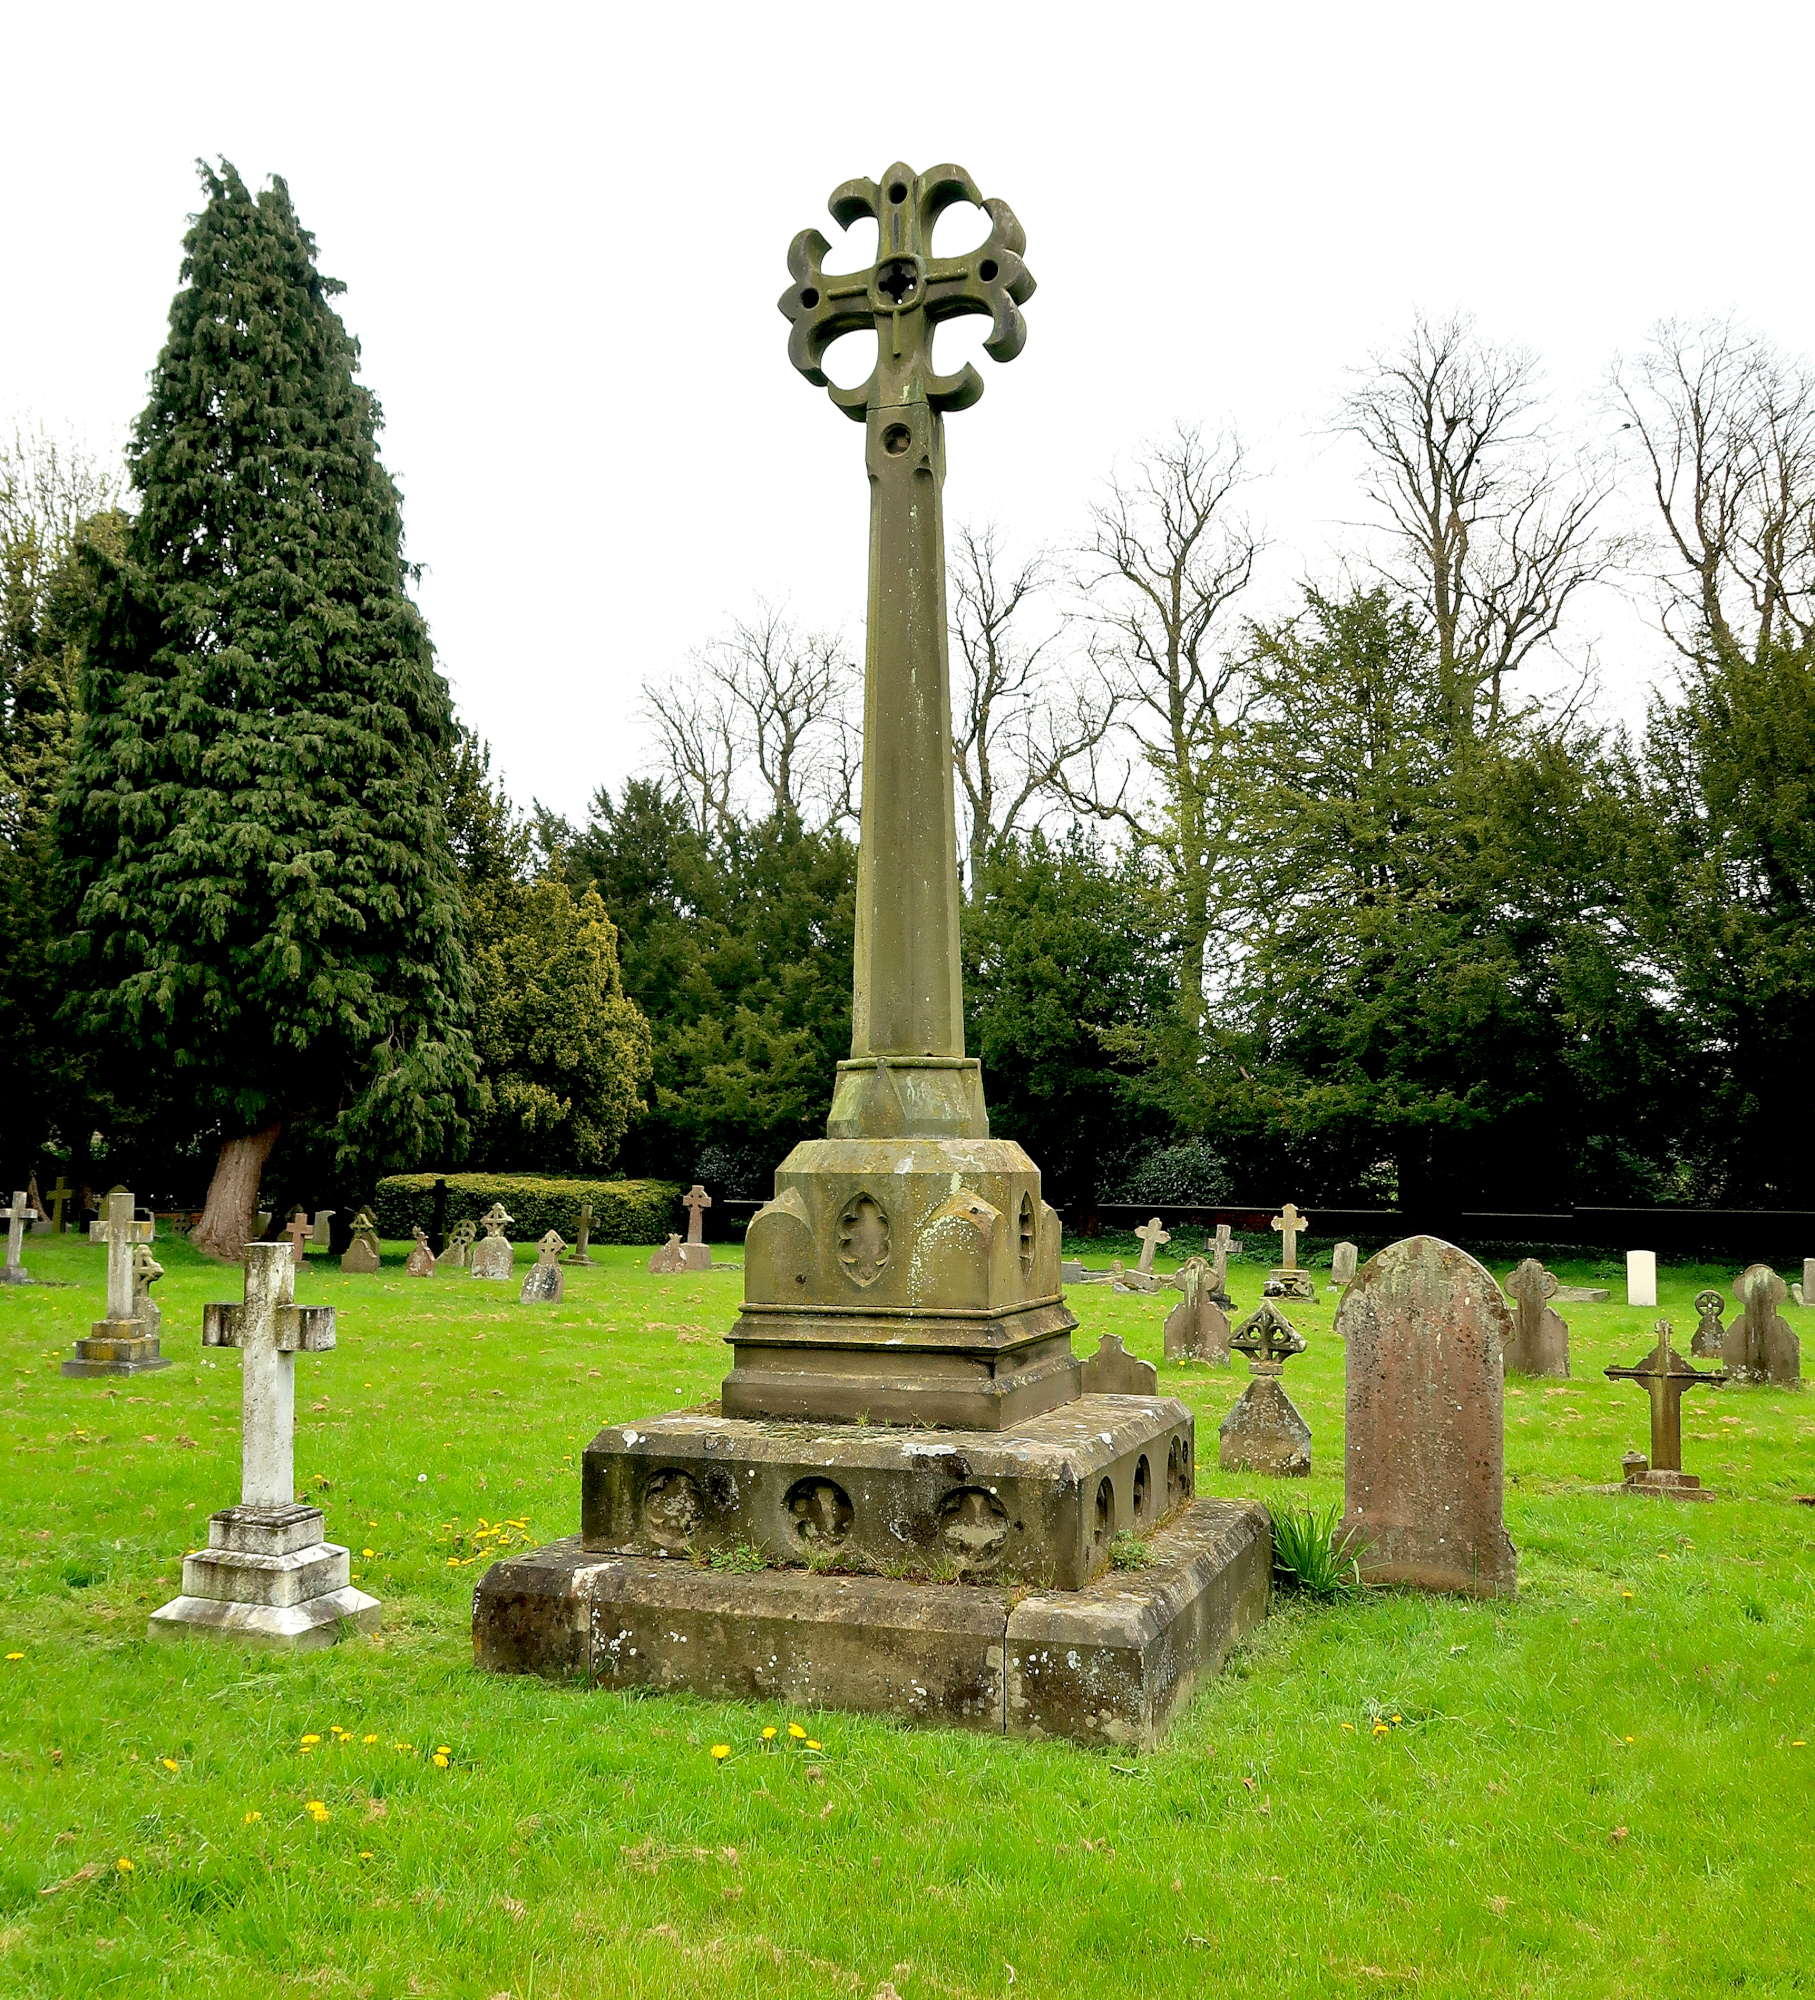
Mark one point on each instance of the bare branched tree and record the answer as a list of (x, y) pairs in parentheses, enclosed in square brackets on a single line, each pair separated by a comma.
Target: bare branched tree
[(1167, 560), (761, 718), (1016, 727), (1486, 526), (1726, 426)]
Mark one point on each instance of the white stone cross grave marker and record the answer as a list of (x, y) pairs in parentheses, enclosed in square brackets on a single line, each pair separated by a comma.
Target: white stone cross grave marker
[(266, 1573), (118, 1344), (1290, 1225), (21, 1212), (1152, 1236)]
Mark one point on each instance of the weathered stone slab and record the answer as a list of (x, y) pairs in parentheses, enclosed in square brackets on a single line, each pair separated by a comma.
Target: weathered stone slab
[(1582, 1295), (298, 1628), (1038, 1504), (668, 1262), (1539, 1344), (492, 1258), (1343, 1260), (1113, 1371), (545, 1284), (1641, 1277), (1761, 1345), (1265, 1433), (1109, 1664), (1425, 1329)]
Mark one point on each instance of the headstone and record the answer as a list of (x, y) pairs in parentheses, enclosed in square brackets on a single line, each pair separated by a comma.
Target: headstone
[(1582, 1295), (146, 1271), (1195, 1328), (23, 1210), (119, 1344), (267, 1574), (1221, 1247), (1540, 1336), (299, 1229), (492, 1256), (320, 1234), (41, 1221), (1152, 1236), (1808, 1267), (362, 1253), (421, 1261), (1796, 1292), (59, 1195), (1343, 1260), (1709, 1340), (666, 1262), (1424, 1462), (1113, 1371), (1760, 1345), (696, 1252), (1641, 1277), (1286, 1280), (543, 1285), (1665, 1377), (577, 1255), (1264, 1432), (1071, 1271), (1137, 1280), (458, 1255), (264, 1220)]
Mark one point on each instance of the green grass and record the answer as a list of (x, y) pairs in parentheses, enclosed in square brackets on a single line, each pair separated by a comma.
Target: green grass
[(1595, 1789)]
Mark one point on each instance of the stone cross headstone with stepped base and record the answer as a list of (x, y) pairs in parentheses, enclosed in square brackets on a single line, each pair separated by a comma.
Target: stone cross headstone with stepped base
[(577, 1255), (696, 1253), (1196, 1329), (119, 1344), (1221, 1247), (1665, 1377), (1540, 1335), (1425, 1330), (1264, 1432), (544, 1284), (17, 1216), (1286, 1280), (268, 1575), (1761, 1344), (362, 1255), (493, 1256)]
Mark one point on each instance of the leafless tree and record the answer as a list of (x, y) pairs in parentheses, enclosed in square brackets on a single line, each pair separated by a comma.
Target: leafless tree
[(1486, 526), (1167, 559), (1726, 429), (761, 718), (1016, 726)]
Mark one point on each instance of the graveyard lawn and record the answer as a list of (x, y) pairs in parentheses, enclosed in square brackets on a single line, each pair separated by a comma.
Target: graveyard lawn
[(1607, 1786)]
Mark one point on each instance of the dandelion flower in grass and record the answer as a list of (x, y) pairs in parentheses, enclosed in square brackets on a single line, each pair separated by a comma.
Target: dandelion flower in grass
[(367, 1554), (720, 1751), (123, 1865), (309, 1742), (769, 1734), (368, 1739), (252, 1818), (317, 1812), (170, 1764), (444, 1749), (15, 1656), (1380, 1729), (1350, 1727), (1398, 1718), (813, 1743), (440, 1761), (798, 1733), (365, 1854)]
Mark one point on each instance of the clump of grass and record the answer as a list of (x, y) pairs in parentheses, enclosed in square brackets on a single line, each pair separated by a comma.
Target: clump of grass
[(741, 1559), (1128, 1551), (1308, 1556)]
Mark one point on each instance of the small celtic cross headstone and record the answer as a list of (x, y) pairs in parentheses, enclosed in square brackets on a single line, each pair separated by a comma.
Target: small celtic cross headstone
[(1709, 1341), (1540, 1336), (1268, 1338), (544, 1285), (459, 1251), (22, 1211), (1152, 1236), (493, 1257), (1264, 1432), (1665, 1377), (696, 1201)]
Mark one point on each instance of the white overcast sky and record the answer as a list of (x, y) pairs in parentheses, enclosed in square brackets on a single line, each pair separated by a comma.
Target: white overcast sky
[(563, 229)]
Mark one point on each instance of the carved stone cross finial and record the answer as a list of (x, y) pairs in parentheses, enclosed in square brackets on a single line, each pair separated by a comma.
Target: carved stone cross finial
[(1289, 1225), (270, 1330), (1152, 1236), (1665, 1377), (1268, 1339)]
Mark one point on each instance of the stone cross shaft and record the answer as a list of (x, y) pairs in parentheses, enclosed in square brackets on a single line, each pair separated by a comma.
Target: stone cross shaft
[(299, 1230), (269, 1330), (1290, 1224), (906, 992), (120, 1232), (1151, 1236), (696, 1201), (57, 1197), (17, 1217), (1666, 1378)]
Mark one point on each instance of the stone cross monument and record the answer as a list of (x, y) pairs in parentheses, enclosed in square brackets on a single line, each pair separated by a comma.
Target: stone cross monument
[(907, 1269), (57, 1197), (122, 1343), (1151, 1236), (1665, 1376), (267, 1575), (23, 1210), (1264, 1432), (696, 1253), (1286, 1280)]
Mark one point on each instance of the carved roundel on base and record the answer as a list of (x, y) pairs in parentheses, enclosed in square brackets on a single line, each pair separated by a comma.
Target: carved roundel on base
[(821, 1510), (973, 1525), (863, 1239), (673, 1508)]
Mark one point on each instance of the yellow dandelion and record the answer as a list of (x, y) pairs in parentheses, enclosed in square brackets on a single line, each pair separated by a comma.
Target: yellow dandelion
[(1350, 1727), (1625, 1593), (123, 1865), (368, 1739), (317, 1812), (443, 1750), (798, 1733), (400, 1746), (813, 1743), (253, 1817), (440, 1761), (15, 1656), (769, 1734), (170, 1764), (1799, 1744), (720, 1751), (1632, 1739), (309, 1741), (365, 1854), (368, 1554), (1398, 1718), (1380, 1729)]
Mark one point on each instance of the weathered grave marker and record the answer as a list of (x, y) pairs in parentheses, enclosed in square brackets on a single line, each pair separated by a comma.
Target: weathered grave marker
[(577, 1255), (146, 1271), (544, 1285), (696, 1253), (300, 1230), (1264, 1432), (1343, 1260), (458, 1256), (267, 1574), (492, 1257), (362, 1255), (1709, 1341), (1195, 1328), (1113, 1371), (23, 1210), (421, 1261), (1540, 1335), (1761, 1347), (1152, 1237), (1424, 1463), (1665, 1377), (1286, 1280), (58, 1196), (320, 1234), (1222, 1246), (118, 1344), (666, 1262), (1641, 1277)]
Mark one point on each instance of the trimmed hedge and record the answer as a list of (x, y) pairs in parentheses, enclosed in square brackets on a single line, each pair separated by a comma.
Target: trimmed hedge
[(622, 1211)]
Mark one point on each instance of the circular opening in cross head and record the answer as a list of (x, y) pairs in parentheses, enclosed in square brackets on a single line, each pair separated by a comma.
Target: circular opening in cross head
[(896, 439), (898, 281), (987, 270), (898, 191), (809, 298)]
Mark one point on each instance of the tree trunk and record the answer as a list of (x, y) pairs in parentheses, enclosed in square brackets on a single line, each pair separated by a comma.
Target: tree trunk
[(230, 1218)]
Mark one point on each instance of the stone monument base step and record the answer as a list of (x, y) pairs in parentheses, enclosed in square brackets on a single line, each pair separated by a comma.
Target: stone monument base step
[(267, 1577), (288, 1627), (116, 1347), (1111, 1663)]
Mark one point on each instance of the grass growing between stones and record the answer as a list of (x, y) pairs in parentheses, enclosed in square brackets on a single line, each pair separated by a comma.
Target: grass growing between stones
[(1605, 1787)]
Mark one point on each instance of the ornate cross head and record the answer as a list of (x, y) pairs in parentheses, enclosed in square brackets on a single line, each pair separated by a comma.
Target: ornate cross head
[(1268, 1338), (907, 291)]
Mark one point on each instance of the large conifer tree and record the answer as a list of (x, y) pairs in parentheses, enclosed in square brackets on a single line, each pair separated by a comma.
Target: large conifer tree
[(265, 924)]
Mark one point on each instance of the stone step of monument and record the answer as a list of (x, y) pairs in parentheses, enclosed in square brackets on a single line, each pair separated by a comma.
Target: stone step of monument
[(1112, 1663), (229, 1576), (287, 1627)]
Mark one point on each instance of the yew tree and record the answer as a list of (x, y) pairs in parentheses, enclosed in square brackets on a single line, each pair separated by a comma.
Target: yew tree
[(265, 929)]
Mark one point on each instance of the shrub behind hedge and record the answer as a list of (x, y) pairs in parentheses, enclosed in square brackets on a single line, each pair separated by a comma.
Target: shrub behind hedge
[(622, 1211)]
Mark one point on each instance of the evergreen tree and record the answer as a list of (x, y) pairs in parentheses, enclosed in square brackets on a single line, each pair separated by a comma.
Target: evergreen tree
[(266, 931)]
